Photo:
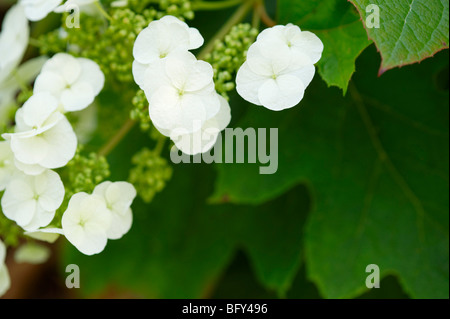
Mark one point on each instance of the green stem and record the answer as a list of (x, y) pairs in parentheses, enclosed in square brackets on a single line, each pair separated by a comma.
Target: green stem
[(159, 144), (237, 17), (102, 10), (115, 140), (215, 5)]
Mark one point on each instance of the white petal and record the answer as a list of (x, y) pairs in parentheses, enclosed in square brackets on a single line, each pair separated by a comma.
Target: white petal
[(29, 169), (41, 218), (139, 73), (92, 74), (49, 82), (86, 222), (38, 108), (120, 224), (76, 98), (50, 189), (29, 149), (305, 74), (32, 253), (284, 92), (195, 39), (248, 84), (13, 40), (49, 235), (309, 43), (61, 144), (164, 108), (65, 65), (36, 10), (5, 282)]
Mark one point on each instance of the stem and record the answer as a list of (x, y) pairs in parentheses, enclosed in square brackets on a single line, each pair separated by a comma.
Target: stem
[(237, 17), (115, 140), (261, 9), (256, 19), (159, 144), (215, 5), (102, 10)]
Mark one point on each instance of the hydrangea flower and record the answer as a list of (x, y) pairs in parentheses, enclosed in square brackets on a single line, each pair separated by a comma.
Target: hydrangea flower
[(279, 67), (203, 139), (85, 223), (161, 39), (74, 82), (5, 281), (180, 90), (31, 201), (7, 167), (44, 137), (118, 197), (13, 41), (36, 10)]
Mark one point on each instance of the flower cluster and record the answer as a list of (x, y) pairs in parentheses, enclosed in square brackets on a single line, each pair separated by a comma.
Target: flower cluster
[(43, 140), (279, 67), (149, 174), (229, 54), (183, 103)]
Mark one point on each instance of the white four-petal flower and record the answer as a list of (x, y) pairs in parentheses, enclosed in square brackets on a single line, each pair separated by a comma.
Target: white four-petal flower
[(31, 201), (183, 92), (118, 197), (74, 82), (44, 137), (279, 67), (85, 223)]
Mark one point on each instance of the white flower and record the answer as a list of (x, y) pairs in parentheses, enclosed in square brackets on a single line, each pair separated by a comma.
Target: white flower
[(36, 10), (31, 201), (7, 167), (118, 197), (203, 139), (5, 281), (44, 137), (180, 91), (161, 39), (299, 42), (85, 6), (13, 41), (277, 70), (74, 82), (85, 223), (32, 253)]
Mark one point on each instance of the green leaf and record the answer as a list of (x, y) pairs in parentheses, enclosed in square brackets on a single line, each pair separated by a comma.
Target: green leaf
[(337, 24), (410, 30), (376, 163)]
